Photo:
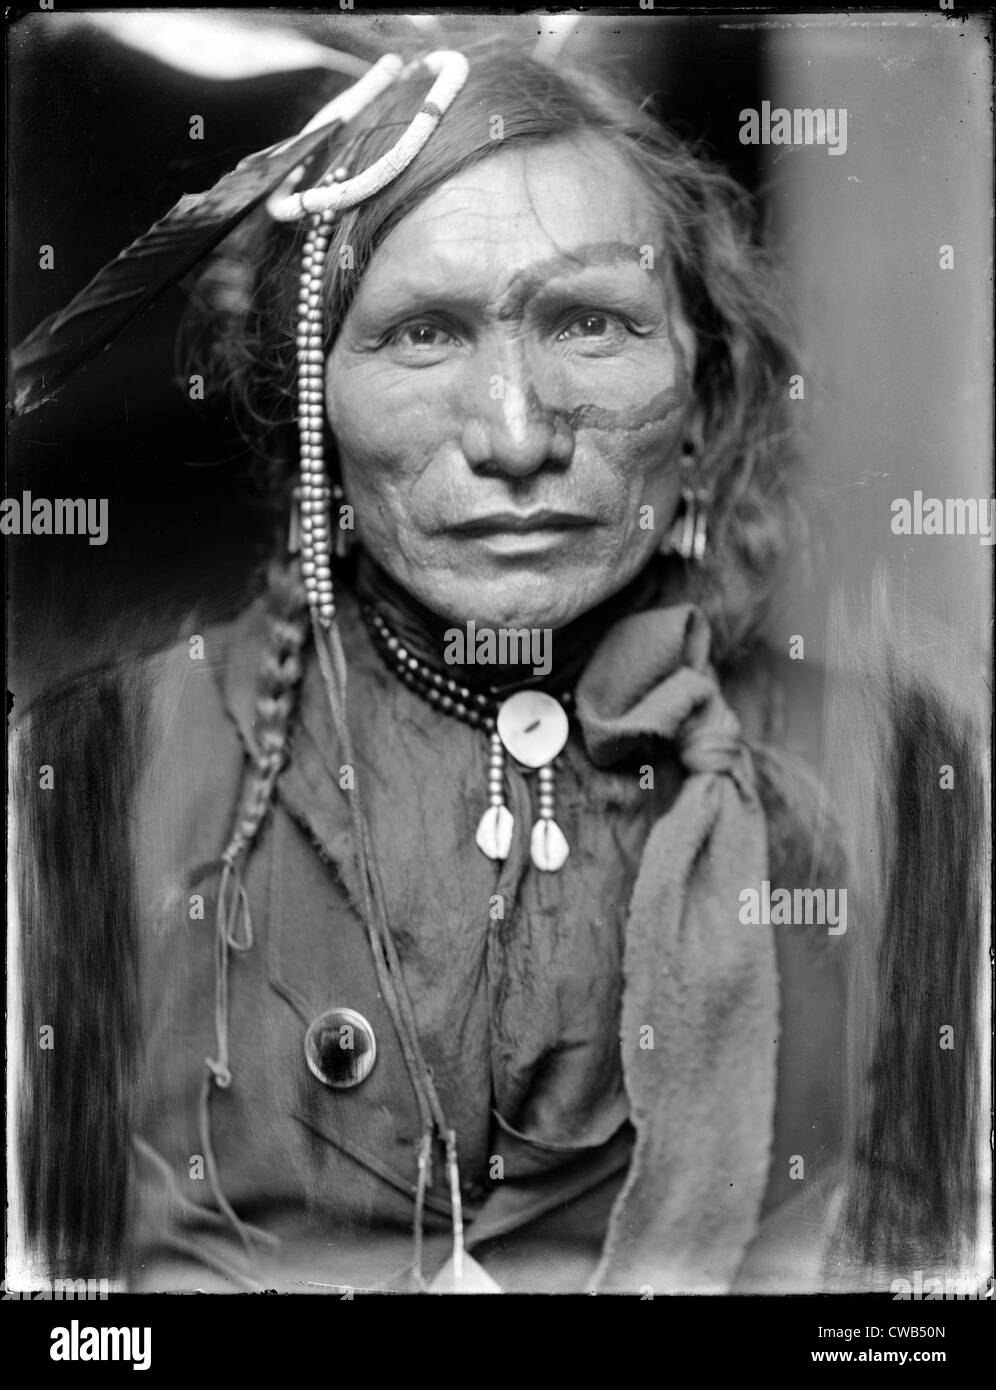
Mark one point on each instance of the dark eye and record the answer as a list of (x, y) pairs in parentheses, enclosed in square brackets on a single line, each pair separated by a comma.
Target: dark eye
[(600, 329), (420, 334), (589, 325)]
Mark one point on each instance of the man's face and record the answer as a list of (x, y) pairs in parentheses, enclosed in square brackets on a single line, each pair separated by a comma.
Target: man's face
[(511, 387)]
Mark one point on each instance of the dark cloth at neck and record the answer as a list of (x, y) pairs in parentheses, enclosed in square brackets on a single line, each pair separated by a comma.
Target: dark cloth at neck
[(423, 632)]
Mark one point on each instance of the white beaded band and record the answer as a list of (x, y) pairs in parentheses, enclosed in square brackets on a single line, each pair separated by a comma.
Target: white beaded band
[(451, 73)]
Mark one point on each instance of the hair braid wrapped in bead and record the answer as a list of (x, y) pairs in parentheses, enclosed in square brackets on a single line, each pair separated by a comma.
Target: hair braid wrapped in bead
[(279, 677), (277, 687)]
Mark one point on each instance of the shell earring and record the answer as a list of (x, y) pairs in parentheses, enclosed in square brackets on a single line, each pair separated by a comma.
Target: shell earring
[(690, 531)]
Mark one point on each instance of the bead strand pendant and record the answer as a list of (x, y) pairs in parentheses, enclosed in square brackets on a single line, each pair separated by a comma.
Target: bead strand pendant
[(494, 834), (314, 491), (548, 847)]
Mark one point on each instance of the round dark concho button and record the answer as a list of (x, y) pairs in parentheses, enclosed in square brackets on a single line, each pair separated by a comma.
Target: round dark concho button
[(340, 1048)]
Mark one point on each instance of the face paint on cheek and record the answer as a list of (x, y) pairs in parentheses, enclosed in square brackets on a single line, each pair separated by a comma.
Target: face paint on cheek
[(656, 411), (639, 447), (663, 408)]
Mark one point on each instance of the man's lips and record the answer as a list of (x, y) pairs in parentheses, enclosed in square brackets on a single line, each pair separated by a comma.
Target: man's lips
[(497, 523)]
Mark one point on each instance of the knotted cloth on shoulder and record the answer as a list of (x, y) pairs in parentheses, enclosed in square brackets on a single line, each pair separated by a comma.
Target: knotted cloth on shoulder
[(699, 1028)]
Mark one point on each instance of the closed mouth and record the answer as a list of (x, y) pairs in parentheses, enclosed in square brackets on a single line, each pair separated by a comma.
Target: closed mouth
[(521, 522)]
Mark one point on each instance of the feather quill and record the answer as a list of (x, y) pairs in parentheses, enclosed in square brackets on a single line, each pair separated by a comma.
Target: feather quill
[(69, 339)]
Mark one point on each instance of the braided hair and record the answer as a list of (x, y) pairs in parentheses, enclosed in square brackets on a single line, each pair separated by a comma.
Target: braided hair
[(277, 684)]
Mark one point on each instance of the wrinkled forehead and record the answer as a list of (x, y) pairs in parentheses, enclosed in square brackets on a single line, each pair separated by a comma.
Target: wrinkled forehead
[(520, 220)]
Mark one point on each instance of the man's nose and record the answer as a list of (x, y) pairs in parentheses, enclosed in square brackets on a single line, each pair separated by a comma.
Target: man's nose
[(509, 430)]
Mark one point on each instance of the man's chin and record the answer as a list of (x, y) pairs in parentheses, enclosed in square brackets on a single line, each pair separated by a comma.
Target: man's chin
[(513, 603)]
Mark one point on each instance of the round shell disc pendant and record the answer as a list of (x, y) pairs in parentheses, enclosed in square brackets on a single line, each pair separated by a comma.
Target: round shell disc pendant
[(533, 727)]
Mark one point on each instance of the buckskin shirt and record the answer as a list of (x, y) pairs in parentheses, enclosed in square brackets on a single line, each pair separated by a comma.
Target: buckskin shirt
[(522, 995)]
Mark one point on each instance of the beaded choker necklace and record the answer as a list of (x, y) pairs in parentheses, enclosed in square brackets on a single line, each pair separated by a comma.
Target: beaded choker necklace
[(529, 725)]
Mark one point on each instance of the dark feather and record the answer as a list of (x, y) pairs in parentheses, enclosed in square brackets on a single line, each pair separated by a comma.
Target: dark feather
[(146, 269)]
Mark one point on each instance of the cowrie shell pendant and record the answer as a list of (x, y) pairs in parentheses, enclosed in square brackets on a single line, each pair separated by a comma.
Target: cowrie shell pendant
[(494, 834), (533, 727), (548, 847)]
